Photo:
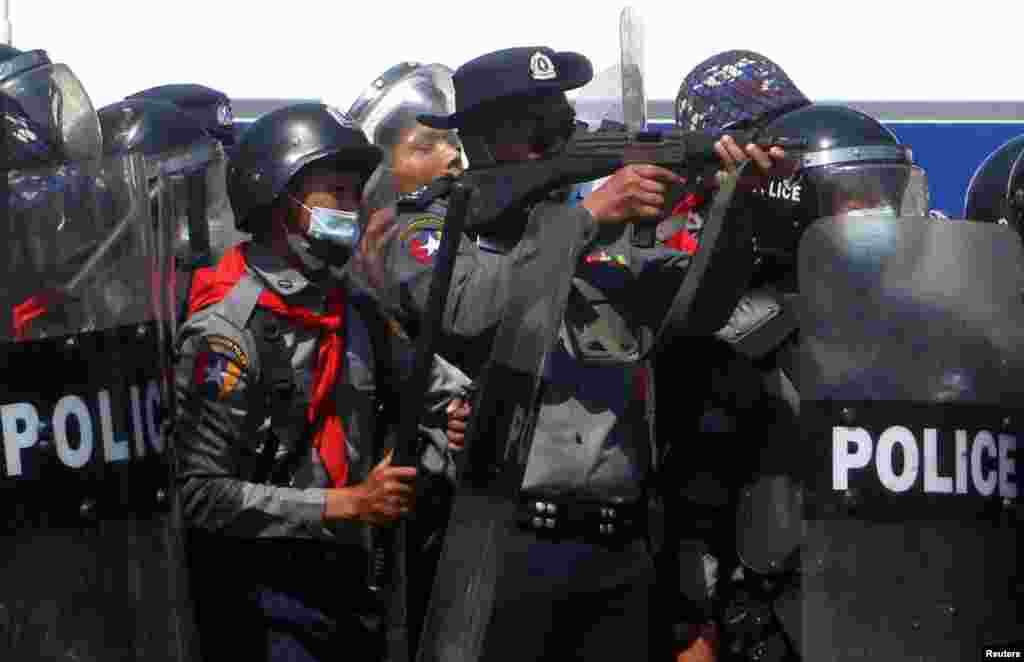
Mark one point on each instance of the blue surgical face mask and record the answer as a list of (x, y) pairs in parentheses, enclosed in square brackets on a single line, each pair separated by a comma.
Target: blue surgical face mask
[(333, 225), (884, 210)]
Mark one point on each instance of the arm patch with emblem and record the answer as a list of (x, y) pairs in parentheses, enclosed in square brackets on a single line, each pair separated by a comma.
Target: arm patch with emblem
[(219, 367), (422, 237)]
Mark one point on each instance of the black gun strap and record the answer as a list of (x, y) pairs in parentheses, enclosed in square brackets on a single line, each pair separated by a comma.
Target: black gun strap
[(719, 273)]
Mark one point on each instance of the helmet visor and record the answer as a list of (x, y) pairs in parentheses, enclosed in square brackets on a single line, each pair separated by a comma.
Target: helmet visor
[(860, 188)]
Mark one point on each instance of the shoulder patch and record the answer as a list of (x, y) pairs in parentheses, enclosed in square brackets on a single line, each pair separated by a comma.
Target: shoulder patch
[(219, 366), (425, 222), (229, 348), (423, 245)]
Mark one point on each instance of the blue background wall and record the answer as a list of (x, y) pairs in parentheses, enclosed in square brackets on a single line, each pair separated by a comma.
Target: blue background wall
[(950, 153)]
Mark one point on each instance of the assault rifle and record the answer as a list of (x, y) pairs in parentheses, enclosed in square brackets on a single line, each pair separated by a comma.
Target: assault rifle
[(500, 189)]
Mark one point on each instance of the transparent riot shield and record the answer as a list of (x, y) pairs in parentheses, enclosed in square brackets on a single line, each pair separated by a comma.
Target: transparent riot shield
[(910, 370), (188, 189), (91, 567)]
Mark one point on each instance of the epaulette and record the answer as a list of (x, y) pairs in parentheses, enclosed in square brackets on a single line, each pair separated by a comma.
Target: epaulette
[(422, 198)]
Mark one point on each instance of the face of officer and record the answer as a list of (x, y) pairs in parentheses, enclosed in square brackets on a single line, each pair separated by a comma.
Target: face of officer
[(422, 154), (868, 190), (512, 141), (321, 186), (523, 128), (315, 217)]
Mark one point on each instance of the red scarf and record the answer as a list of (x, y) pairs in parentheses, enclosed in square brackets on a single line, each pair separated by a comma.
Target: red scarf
[(683, 240), (210, 286)]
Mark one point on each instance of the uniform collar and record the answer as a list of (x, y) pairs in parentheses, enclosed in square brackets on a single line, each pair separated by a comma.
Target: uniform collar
[(275, 271)]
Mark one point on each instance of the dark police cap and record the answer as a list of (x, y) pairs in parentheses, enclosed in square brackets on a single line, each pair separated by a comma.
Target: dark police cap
[(511, 72), (212, 108)]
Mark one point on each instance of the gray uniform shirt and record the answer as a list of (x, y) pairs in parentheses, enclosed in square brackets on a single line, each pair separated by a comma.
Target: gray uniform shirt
[(591, 434), (222, 418)]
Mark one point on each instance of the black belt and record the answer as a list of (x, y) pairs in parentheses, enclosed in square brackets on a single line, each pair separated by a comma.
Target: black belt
[(598, 521)]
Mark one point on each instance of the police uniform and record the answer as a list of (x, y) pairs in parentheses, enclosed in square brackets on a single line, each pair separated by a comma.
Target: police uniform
[(736, 513), (577, 573), (592, 443), (253, 486)]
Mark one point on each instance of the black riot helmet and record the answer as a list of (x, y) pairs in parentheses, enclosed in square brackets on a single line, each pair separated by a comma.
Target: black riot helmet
[(853, 165), (996, 191), (279, 144)]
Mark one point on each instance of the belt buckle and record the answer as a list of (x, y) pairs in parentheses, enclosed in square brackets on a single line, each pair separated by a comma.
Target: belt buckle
[(615, 520), (609, 522), (543, 515)]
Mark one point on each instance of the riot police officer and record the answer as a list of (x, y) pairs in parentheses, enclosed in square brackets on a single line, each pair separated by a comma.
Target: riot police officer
[(91, 567), (280, 476), (744, 484), (996, 190), (567, 591), (414, 153)]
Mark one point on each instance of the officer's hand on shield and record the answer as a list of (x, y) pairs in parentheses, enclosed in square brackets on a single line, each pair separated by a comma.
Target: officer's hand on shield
[(385, 496), (633, 193), (732, 155)]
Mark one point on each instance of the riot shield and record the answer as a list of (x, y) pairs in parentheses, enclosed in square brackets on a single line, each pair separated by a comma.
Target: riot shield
[(600, 100), (220, 219), (910, 370), (92, 566), (615, 97), (192, 206), (631, 47), (916, 197)]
